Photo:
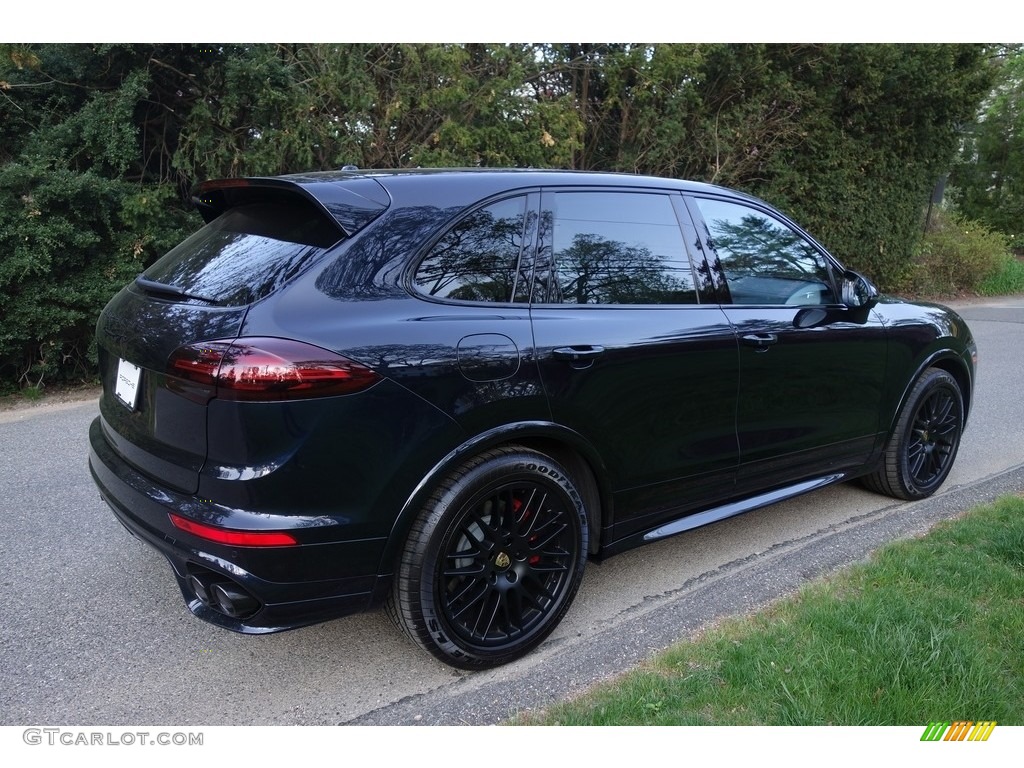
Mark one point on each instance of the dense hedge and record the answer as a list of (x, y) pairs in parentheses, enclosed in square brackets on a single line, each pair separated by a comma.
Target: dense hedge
[(100, 145)]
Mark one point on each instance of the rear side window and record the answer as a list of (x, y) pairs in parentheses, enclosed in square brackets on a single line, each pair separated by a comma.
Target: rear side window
[(248, 252), (613, 248), (480, 258)]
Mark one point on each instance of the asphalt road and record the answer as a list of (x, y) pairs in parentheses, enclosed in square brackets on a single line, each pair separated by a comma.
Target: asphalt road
[(93, 630)]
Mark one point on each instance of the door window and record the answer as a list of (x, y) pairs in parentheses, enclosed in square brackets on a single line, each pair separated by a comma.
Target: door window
[(612, 248), (764, 261)]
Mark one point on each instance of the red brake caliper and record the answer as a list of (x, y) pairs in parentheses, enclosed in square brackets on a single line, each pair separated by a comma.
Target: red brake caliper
[(517, 504)]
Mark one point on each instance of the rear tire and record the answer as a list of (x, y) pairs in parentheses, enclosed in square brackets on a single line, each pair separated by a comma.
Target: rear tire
[(921, 451), (493, 561)]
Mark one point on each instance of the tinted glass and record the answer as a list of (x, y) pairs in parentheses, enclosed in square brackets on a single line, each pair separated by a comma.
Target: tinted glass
[(479, 258), (617, 248), (764, 260), (247, 252)]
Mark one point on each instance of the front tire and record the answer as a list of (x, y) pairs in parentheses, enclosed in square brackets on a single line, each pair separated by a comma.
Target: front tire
[(493, 561), (921, 451)]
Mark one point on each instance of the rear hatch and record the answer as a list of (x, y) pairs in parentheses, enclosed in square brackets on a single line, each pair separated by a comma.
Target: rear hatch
[(261, 233)]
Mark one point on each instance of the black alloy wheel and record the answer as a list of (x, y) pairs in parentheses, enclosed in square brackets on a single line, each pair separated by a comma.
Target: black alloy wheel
[(934, 436), (494, 561), (923, 446)]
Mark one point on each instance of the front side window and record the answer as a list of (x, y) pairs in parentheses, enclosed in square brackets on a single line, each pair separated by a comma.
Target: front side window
[(480, 258), (613, 248), (764, 261)]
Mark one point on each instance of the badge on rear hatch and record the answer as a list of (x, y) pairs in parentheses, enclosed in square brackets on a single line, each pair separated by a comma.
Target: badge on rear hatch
[(127, 384)]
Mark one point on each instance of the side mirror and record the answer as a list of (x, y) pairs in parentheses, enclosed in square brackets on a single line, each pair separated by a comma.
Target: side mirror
[(858, 291)]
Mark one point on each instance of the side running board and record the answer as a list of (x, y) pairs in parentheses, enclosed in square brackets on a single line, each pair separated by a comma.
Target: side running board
[(738, 507)]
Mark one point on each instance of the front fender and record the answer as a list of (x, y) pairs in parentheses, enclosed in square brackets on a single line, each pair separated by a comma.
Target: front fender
[(923, 336)]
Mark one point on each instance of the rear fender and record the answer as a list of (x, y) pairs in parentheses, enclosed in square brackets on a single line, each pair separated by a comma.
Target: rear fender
[(559, 442)]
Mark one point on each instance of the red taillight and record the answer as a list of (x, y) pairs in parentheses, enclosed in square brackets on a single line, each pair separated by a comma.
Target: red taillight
[(198, 363), (233, 538), (213, 185), (265, 368)]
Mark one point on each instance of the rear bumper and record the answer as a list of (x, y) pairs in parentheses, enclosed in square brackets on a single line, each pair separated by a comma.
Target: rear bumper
[(319, 579)]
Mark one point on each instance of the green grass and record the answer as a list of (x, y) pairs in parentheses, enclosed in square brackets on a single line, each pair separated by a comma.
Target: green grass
[(1007, 281), (32, 394), (929, 629)]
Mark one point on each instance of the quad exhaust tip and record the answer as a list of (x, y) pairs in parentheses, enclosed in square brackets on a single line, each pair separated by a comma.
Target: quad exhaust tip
[(223, 595)]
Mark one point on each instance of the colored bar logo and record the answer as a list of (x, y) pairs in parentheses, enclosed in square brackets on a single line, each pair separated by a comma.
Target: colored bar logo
[(961, 730)]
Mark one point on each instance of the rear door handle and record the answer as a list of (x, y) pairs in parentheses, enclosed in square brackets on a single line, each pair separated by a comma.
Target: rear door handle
[(578, 354), (760, 341)]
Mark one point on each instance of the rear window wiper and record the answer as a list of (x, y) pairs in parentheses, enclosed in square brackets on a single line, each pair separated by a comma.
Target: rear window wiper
[(166, 289)]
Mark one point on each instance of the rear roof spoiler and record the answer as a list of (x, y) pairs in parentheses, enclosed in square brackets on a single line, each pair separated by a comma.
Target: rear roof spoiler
[(352, 201)]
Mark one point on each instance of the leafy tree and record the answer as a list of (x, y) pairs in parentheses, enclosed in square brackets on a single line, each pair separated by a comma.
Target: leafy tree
[(989, 177), (276, 109)]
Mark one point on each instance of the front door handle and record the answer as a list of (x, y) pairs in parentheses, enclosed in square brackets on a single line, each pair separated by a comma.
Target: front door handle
[(760, 341)]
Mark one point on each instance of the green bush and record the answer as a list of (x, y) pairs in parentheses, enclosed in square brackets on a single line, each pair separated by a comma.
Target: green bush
[(69, 241), (956, 255)]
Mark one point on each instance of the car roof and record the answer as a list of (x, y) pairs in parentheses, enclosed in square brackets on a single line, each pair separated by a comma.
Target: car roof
[(354, 197), (522, 177), (492, 180)]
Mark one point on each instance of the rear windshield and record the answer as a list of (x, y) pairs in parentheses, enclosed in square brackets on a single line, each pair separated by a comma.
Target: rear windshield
[(248, 252)]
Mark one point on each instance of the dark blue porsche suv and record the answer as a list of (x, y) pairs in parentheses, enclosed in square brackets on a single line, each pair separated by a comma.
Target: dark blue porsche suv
[(445, 391)]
